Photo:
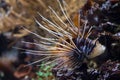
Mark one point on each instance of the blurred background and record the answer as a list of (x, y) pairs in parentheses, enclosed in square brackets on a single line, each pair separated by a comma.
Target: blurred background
[(18, 15)]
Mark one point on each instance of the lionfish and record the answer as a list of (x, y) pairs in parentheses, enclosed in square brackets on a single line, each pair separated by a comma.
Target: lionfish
[(69, 45)]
